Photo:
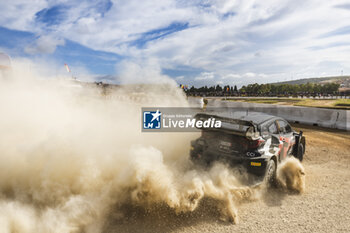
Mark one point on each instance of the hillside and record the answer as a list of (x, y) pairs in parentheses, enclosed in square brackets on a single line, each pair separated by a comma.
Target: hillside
[(336, 79)]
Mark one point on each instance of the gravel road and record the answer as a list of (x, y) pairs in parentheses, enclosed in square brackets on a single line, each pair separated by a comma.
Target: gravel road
[(324, 207)]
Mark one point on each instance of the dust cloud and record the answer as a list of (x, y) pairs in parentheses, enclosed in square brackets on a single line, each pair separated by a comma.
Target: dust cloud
[(71, 154), (291, 175)]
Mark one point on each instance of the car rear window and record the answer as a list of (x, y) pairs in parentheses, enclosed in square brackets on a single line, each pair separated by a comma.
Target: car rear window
[(217, 139)]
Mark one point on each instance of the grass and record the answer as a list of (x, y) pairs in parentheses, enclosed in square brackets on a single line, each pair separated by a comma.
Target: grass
[(317, 103), (343, 103)]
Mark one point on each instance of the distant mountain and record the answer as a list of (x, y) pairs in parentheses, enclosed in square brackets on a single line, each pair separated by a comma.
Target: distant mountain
[(332, 79)]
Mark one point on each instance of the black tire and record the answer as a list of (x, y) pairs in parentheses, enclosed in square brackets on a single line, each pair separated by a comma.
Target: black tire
[(270, 175), (300, 152)]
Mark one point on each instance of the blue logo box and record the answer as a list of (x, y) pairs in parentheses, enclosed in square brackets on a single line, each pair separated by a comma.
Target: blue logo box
[(152, 119)]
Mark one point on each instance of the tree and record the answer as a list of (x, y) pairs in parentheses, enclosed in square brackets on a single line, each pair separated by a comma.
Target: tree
[(268, 89), (243, 89)]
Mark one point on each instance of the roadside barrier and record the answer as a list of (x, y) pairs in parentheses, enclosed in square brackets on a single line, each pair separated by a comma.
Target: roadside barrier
[(329, 118)]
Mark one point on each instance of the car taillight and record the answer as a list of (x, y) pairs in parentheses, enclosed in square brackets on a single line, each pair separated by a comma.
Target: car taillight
[(255, 144)]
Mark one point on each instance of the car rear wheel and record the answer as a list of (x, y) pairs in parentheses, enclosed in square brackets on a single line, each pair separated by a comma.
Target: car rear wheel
[(270, 175)]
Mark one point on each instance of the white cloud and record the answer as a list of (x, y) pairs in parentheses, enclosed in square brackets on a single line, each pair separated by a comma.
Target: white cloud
[(141, 71), (44, 44), (179, 78), (250, 75), (19, 14), (229, 40), (231, 76), (204, 76)]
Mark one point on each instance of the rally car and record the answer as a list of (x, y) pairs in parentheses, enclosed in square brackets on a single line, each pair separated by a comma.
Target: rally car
[(255, 140)]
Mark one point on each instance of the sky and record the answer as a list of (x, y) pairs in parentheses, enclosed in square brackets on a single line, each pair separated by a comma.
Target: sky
[(194, 42)]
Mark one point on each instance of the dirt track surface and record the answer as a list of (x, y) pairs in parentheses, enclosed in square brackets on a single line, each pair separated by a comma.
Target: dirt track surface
[(324, 207)]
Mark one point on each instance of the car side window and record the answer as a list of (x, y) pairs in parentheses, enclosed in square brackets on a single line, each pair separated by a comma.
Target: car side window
[(273, 128), (284, 126), (288, 128)]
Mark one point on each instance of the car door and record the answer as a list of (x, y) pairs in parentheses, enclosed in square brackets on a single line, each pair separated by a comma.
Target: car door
[(285, 136)]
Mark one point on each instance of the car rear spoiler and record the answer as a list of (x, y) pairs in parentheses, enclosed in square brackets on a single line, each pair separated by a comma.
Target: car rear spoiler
[(245, 128)]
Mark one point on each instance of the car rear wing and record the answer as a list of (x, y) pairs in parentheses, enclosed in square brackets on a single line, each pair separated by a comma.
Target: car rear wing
[(232, 126)]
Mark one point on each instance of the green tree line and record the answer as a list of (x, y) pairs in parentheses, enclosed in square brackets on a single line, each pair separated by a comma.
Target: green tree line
[(267, 89)]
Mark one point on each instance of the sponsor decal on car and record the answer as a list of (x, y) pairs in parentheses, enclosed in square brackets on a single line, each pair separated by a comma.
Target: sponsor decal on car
[(255, 164)]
